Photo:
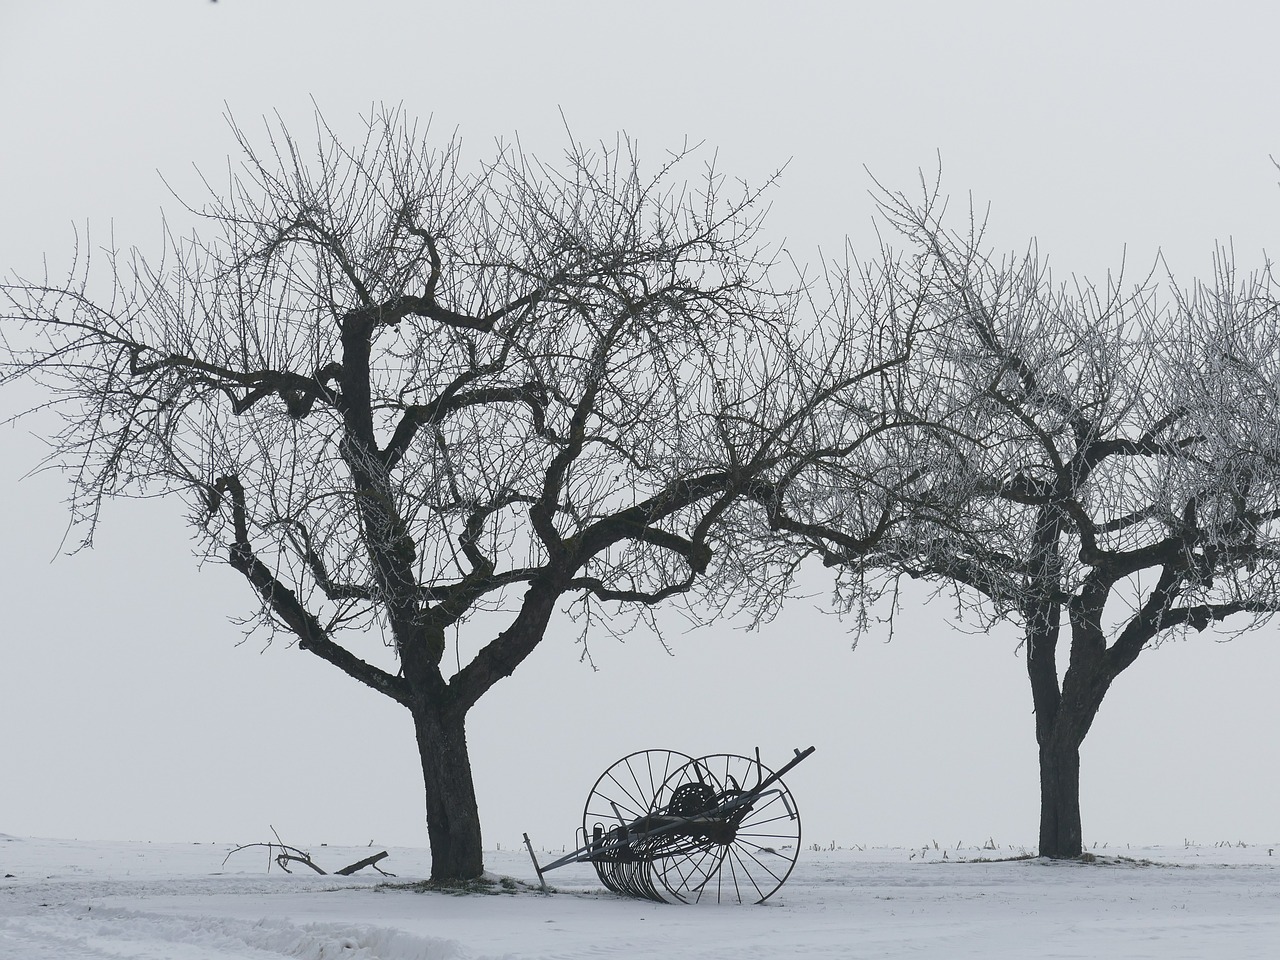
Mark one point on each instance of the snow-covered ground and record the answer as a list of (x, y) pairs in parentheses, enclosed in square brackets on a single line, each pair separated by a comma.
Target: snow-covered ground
[(63, 900)]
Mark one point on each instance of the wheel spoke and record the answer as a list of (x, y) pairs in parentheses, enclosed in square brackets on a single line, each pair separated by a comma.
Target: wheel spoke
[(627, 790), (687, 819), (740, 849), (760, 894)]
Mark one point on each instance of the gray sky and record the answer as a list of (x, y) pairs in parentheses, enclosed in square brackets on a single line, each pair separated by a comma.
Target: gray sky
[(1106, 130)]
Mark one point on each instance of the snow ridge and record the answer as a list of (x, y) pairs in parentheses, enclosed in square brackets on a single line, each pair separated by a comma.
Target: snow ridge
[(102, 932)]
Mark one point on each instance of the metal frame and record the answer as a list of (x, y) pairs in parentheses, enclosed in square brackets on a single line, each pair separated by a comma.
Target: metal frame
[(663, 826)]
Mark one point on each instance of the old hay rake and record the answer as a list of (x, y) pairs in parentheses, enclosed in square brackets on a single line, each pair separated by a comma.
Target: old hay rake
[(661, 825)]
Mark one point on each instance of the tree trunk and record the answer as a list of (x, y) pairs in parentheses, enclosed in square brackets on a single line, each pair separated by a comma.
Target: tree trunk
[(1060, 834), (453, 817), (1065, 711)]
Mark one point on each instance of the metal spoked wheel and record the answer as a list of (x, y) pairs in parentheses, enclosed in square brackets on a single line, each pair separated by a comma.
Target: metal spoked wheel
[(625, 794), (745, 855)]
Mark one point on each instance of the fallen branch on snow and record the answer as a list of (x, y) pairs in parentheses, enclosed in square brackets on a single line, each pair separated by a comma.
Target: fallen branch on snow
[(289, 854)]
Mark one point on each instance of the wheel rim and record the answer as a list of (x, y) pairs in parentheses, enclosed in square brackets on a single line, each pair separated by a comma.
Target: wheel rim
[(746, 857), (627, 790)]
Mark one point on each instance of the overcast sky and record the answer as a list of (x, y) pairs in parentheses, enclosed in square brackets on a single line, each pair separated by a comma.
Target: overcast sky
[(1109, 131)]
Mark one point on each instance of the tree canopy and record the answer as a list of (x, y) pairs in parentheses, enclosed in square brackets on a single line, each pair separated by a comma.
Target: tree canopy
[(1105, 461), (398, 391)]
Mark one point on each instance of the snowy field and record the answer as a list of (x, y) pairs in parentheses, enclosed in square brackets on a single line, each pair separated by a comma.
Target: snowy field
[(64, 899)]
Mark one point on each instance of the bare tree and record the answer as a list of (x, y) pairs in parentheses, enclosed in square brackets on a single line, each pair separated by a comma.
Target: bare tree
[(412, 404), (1100, 464)]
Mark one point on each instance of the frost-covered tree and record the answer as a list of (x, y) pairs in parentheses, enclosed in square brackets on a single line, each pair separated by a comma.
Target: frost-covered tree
[(1108, 476), (417, 404)]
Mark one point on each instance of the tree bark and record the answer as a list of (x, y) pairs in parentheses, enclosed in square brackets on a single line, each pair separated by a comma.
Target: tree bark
[(1064, 716), (453, 816), (1060, 833)]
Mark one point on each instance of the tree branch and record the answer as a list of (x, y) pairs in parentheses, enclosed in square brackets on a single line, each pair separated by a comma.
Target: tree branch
[(284, 603)]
